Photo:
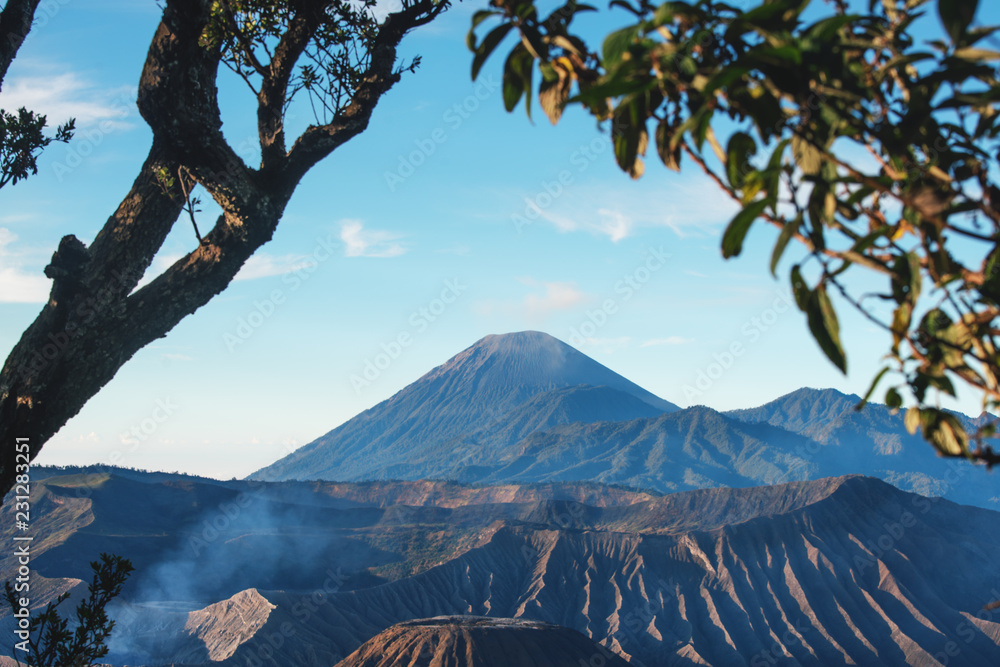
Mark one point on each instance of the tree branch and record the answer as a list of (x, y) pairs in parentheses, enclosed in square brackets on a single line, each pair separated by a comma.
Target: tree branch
[(319, 141), (15, 24)]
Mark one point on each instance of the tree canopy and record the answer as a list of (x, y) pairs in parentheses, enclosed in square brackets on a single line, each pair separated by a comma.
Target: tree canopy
[(340, 57), (872, 148)]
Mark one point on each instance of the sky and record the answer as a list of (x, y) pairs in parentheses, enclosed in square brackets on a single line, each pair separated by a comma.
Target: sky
[(447, 220)]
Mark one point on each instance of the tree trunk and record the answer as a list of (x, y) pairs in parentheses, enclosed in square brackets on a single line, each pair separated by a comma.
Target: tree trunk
[(95, 320)]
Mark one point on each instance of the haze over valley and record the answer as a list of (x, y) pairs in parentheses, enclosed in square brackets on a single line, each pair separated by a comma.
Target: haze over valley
[(523, 480)]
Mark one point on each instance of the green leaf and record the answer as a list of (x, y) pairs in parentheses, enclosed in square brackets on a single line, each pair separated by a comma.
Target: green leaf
[(944, 431), (732, 239), (738, 152), (702, 121), (488, 45), (824, 30), (871, 388), (807, 156), (478, 18), (724, 78), (617, 43), (825, 328), (628, 127), (517, 75), (956, 15), (513, 82), (892, 397), (787, 232), (800, 289), (669, 151)]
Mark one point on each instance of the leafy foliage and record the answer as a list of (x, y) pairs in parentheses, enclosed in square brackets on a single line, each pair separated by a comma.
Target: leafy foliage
[(21, 140), (53, 643), (331, 65), (869, 148)]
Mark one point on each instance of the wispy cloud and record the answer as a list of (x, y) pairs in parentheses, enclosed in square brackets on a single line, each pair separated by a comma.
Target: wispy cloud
[(544, 299), (554, 296), (616, 225), (688, 206), (360, 242), (265, 265), (17, 285), (159, 264), (65, 95), (669, 340)]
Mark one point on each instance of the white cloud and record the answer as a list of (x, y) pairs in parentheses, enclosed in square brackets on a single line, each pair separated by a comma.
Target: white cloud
[(159, 264), (690, 206), (669, 340), (61, 96), (16, 284), (19, 287), (555, 296), (360, 242), (616, 225), (265, 265), (544, 299)]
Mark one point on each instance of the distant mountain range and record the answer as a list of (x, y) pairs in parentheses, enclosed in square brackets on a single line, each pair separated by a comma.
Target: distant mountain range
[(526, 407), (837, 571)]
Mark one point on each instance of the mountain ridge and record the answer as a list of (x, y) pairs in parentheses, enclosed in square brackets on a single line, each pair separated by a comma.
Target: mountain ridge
[(525, 407)]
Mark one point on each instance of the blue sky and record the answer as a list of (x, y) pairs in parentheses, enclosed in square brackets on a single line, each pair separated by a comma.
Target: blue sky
[(414, 231)]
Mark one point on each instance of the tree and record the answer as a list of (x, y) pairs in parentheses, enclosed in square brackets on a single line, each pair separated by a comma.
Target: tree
[(871, 149), (336, 54), (48, 640), (21, 136)]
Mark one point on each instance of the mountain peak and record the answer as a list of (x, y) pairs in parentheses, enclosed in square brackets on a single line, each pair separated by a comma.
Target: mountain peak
[(528, 362), (532, 355), (472, 390)]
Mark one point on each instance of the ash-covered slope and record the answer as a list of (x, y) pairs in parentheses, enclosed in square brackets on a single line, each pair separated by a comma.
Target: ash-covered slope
[(472, 390), (478, 641), (831, 572)]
